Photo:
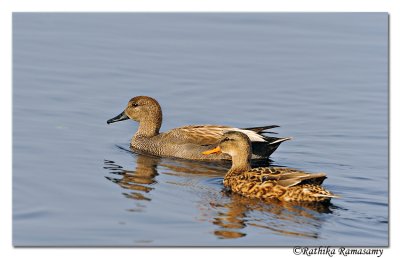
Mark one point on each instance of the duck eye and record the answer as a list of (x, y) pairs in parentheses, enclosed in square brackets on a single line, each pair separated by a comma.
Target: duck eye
[(135, 104), (226, 139)]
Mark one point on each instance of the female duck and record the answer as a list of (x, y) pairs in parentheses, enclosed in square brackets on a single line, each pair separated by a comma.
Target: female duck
[(186, 142), (284, 184)]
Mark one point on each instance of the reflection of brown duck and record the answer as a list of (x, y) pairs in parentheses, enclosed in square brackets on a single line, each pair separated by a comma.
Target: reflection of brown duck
[(284, 184), (232, 217), (186, 142), (142, 179), (139, 180)]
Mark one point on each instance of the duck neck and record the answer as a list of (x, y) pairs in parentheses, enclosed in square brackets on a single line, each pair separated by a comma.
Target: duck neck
[(150, 126), (240, 163)]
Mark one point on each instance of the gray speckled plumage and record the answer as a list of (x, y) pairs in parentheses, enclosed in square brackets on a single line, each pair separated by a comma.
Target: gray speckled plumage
[(187, 142)]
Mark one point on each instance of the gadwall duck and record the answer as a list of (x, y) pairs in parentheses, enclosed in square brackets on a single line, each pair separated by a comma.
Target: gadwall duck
[(284, 184), (187, 142)]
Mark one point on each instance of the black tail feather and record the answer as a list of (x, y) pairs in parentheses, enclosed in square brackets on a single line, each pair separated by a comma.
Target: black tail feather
[(261, 129)]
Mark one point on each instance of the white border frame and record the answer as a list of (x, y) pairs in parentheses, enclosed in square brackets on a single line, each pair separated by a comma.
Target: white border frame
[(9, 6)]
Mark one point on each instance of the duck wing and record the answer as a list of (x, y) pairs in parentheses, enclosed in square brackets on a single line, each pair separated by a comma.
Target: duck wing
[(207, 134), (286, 177)]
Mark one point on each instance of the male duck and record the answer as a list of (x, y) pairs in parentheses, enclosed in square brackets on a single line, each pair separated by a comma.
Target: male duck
[(284, 184), (186, 142)]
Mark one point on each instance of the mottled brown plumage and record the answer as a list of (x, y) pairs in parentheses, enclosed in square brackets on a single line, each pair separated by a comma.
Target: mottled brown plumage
[(186, 142), (285, 184)]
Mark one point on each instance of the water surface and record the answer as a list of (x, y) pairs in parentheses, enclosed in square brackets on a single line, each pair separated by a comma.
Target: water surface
[(322, 77)]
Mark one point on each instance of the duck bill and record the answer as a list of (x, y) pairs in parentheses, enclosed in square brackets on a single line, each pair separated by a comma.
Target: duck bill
[(215, 150), (120, 117)]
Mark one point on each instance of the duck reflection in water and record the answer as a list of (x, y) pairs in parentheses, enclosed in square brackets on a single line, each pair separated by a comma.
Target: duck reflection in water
[(142, 180), (138, 181), (230, 212)]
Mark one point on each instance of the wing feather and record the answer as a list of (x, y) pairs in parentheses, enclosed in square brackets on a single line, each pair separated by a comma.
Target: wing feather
[(286, 177), (206, 134)]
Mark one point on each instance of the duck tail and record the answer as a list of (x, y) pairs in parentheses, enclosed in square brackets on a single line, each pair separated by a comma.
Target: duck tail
[(280, 140), (330, 195), (323, 194), (308, 193), (261, 129)]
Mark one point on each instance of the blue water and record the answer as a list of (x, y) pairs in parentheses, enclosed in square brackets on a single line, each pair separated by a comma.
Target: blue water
[(323, 77)]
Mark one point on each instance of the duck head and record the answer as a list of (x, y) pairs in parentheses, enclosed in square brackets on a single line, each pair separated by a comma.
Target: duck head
[(144, 110), (238, 146)]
